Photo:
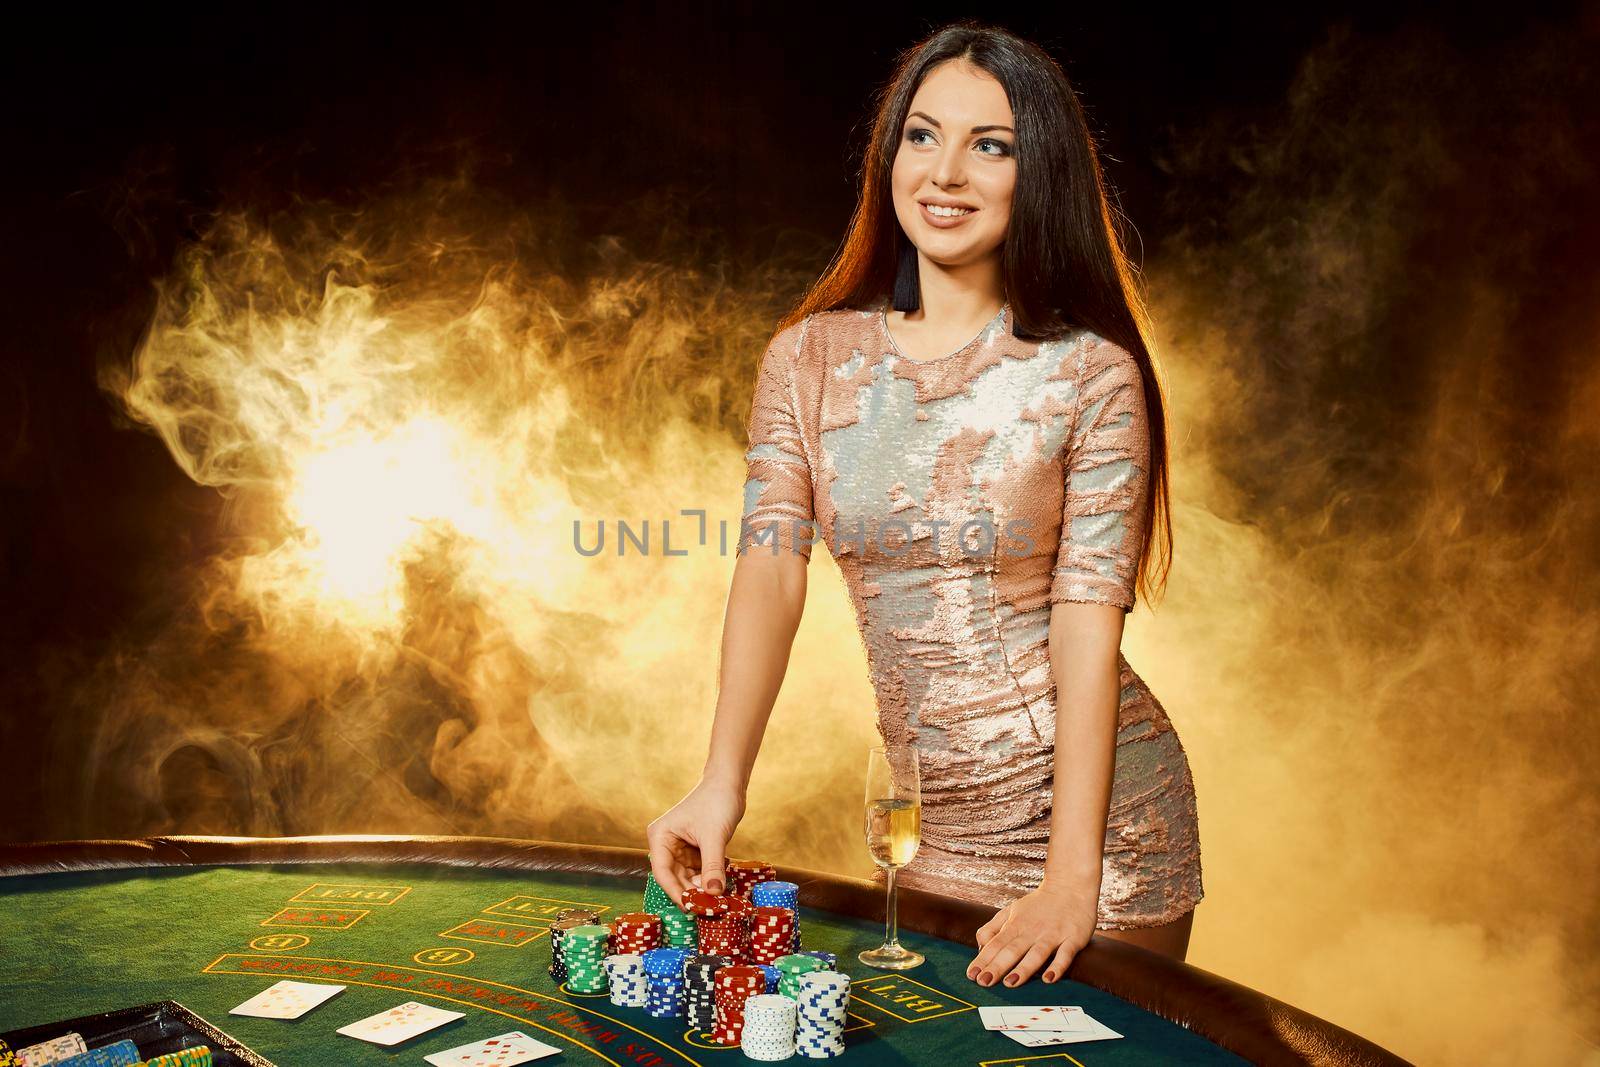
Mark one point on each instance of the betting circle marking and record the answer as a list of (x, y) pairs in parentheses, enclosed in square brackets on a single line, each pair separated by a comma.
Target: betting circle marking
[(280, 942)]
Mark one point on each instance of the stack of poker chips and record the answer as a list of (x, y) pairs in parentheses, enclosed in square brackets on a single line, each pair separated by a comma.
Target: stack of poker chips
[(664, 993), (198, 1056), (723, 923), (566, 919), (71, 1049), (745, 875), (123, 1053), (699, 989), (583, 950), (735, 984), (780, 895), (829, 960), (52, 1051), (677, 928), (793, 966), (625, 979), (771, 933), (773, 975), (769, 1027), (819, 1029), (636, 932)]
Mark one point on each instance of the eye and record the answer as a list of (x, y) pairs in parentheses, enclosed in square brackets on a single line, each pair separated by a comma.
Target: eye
[(917, 132), (1005, 149)]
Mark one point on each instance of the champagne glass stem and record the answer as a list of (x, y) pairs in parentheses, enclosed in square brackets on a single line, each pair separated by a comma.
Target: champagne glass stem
[(891, 931)]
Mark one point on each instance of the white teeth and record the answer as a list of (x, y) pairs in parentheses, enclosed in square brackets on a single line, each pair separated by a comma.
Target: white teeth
[(948, 212)]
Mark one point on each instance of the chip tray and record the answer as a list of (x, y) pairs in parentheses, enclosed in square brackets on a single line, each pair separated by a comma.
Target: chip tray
[(159, 1028)]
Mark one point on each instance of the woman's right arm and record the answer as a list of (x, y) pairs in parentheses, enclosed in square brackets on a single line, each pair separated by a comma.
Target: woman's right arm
[(688, 844)]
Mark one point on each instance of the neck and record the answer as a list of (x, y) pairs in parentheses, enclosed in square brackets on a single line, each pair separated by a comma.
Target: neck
[(954, 297)]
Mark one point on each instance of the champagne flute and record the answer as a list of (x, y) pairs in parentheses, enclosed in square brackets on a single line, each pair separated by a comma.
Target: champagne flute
[(894, 830)]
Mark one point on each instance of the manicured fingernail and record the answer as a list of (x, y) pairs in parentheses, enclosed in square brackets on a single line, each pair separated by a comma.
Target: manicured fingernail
[(1049, 976), (1011, 979), (986, 978)]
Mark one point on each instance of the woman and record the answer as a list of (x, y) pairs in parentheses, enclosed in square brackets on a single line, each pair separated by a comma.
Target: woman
[(986, 460)]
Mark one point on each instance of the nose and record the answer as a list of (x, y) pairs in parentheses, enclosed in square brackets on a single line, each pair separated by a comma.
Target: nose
[(950, 166)]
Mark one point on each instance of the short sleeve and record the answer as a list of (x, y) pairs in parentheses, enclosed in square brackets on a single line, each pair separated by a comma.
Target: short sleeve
[(1106, 475), (777, 490)]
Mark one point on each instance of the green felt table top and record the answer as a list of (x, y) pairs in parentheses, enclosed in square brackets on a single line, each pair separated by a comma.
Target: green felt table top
[(476, 941)]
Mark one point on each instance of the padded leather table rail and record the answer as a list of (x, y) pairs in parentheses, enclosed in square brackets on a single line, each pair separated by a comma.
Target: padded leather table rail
[(88, 926)]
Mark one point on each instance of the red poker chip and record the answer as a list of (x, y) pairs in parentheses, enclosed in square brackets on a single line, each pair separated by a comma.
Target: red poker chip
[(738, 975), (745, 875), (699, 902)]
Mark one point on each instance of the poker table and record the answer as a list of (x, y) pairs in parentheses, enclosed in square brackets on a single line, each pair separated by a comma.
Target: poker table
[(463, 923)]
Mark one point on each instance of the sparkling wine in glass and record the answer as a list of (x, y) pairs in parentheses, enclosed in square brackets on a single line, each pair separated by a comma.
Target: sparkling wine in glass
[(893, 830)]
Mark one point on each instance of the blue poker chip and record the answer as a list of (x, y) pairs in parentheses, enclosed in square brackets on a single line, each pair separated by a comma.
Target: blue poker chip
[(664, 962), (776, 895), (121, 1054)]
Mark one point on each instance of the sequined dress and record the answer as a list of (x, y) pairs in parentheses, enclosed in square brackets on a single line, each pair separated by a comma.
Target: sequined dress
[(960, 497)]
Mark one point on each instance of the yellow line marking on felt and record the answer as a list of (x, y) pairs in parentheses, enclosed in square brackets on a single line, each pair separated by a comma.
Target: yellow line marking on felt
[(1029, 1059), (208, 969), (538, 932), (264, 943), (693, 1039), (598, 909), (301, 897), (360, 914), (867, 984), (569, 991), (866, 1023)]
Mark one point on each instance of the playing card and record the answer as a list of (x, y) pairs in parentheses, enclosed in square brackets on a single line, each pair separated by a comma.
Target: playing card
[(1037, 1038), (1050, 1017), (287, 1000), (1047, 1017), (400, 1023), (503, 1051)]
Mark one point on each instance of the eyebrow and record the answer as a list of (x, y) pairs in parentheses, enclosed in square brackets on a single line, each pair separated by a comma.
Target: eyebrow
[(975, 129)]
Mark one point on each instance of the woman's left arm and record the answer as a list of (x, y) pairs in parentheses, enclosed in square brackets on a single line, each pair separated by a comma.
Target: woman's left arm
[(1049, 925), (1104, 502)]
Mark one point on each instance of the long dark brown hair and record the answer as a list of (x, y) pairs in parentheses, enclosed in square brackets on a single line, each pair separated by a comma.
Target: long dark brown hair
[(1063, 262)]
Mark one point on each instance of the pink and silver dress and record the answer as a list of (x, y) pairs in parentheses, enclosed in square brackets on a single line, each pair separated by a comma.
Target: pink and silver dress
[(961, 497)]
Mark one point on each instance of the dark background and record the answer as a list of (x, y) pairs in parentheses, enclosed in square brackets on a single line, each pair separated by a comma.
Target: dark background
[(1370, 232), (1225, 134), (125, 133)]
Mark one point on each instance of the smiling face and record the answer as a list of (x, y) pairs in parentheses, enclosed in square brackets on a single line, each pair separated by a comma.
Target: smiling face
[(957, 146)]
